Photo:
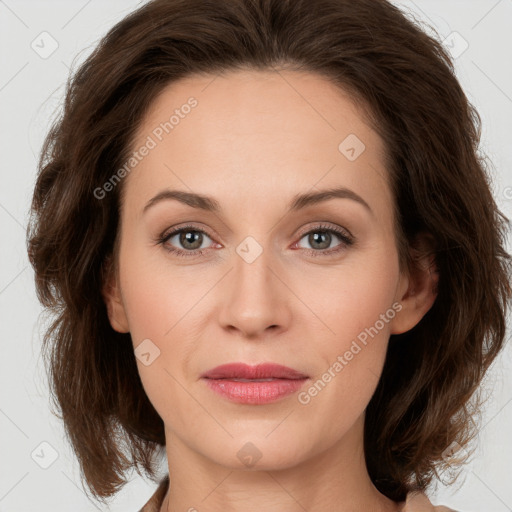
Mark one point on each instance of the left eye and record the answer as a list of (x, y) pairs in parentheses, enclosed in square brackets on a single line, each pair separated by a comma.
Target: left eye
[(320, 239)]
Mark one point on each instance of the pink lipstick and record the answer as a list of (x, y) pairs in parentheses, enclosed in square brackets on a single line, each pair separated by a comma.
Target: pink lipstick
[(260, 384)]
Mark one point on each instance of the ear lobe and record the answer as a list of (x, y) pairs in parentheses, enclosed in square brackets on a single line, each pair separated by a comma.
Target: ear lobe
[(421, 285), (111, 293)]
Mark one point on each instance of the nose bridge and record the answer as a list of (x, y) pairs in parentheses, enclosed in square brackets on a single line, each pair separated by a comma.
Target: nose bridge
[(254, 300)]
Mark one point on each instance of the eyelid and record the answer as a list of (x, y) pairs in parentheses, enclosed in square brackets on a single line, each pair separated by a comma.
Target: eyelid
[(325, 225), (176, 229)]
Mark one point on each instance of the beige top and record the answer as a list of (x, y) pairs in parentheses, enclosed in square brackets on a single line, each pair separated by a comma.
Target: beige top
[(415, 502)]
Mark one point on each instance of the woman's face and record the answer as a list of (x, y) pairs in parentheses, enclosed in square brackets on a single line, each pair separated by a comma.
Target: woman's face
[(275, 282)]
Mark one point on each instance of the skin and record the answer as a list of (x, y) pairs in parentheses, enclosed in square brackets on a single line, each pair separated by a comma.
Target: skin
[(254, 141)]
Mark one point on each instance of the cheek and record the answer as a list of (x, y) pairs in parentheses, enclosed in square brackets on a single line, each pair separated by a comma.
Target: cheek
[(157, 293), (356, 310), (158, 306), (353, 359), (348, 300)]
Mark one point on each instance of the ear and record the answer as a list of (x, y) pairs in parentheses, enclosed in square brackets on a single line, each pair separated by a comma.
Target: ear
[(417, 289), (111, 292)]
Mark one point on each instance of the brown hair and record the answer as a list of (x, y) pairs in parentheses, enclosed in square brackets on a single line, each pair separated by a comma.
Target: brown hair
[(404, 79)]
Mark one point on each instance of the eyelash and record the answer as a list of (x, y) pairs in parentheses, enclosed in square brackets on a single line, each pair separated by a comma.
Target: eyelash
[(347, 241)]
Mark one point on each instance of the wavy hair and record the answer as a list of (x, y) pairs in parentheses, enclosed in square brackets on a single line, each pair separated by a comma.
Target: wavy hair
[(404, 81)]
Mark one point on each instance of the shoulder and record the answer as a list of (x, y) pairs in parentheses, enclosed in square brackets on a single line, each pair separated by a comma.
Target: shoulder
[(155, 502), (418, 502)]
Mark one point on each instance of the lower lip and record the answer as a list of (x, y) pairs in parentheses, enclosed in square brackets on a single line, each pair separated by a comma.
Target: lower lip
[(255, 392)]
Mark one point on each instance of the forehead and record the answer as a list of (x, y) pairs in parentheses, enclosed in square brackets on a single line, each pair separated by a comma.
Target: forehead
[(256, 132)]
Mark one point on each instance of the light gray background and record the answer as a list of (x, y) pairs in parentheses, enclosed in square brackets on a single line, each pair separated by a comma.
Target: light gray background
[(31, 88)]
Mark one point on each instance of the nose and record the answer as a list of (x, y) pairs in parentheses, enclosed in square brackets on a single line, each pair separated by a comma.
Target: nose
[(255, 300)]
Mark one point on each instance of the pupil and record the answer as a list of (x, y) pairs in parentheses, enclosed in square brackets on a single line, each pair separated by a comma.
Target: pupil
[(189, 237), (315, 237)]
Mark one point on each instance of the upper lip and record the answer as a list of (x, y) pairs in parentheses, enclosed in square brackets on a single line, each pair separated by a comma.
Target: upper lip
[(260, 371)]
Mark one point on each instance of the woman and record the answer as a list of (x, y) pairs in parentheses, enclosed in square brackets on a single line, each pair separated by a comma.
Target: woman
[(319, 343)]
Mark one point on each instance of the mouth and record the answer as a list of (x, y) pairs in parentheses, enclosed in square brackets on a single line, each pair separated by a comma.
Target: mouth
[(260, 384), (262, 372)]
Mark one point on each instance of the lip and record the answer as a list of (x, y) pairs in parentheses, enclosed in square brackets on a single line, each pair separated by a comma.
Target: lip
[(281, 381), (260, 371)]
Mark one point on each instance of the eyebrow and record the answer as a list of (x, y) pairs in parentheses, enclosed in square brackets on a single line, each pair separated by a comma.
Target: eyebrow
[(299, 201)]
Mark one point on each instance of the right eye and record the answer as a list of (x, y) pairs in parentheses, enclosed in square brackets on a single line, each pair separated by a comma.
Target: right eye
[(189, 237)]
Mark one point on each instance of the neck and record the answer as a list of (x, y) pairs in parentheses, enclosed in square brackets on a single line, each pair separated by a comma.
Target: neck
[(334, 479)]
